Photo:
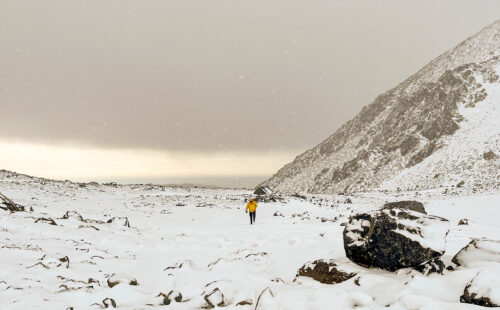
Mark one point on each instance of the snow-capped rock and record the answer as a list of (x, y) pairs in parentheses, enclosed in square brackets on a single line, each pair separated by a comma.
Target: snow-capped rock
[(394, 238), (72, 215), (478, 250), (483, 290), (121, 278), (407, 204)]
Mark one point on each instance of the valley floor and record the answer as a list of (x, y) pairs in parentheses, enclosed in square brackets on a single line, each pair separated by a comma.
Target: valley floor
[(195, 240)]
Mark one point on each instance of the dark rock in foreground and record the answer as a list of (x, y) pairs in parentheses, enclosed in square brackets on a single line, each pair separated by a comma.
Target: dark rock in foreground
[(327, 272), (483, 290), (394, 238), (407, 205), (478, 250)]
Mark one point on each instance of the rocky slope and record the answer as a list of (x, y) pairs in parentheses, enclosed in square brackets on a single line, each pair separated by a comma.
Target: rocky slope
[(439, 128)]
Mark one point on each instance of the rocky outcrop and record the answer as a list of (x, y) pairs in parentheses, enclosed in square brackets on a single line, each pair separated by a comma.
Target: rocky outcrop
[(394, 238), (8, 205), (324, 271), (263, 191)]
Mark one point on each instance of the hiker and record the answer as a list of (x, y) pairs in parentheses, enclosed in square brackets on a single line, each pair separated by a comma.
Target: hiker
[(252, 207)]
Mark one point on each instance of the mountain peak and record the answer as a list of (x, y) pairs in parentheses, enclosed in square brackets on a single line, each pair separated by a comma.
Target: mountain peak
[(418, 129)]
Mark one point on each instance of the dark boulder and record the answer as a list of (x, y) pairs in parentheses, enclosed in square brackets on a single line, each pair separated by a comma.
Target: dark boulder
[(463, 222), (324, 271), (483, 290), (407, 204), (278, 213), (394, 238)]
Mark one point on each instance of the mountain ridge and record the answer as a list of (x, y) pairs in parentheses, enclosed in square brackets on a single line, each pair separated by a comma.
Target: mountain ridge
[(401, 127)]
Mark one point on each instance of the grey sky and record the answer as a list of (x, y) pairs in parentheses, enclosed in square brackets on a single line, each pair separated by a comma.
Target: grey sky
[(211, 75)]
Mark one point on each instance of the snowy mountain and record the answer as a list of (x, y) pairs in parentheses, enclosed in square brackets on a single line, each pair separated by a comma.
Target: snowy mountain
[(437, 129)]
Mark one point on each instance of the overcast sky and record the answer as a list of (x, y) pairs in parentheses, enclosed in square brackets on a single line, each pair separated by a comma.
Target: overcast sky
[(237, 87)]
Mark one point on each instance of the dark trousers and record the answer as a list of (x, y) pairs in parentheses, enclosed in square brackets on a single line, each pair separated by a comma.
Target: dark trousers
[(252, 217)]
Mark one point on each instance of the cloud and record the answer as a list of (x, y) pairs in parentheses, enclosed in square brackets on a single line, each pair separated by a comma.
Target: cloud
[(85, 164)]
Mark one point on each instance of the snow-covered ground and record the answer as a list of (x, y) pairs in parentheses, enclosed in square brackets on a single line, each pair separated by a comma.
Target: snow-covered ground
[(196, 240)]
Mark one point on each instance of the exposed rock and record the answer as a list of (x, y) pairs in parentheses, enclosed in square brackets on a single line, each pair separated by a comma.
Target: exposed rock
[(434, 265), (214, 298), (8, 205), (296, 195), (478, 250), (47, 220), (394, 238), (483, 290), (277, 213), (324, 271), (348, 201), (122, 221), (72, 215), (407, 204), (263, 191), (121, 278), (463, 222), (246, 302), (490, 155), (172, 295)]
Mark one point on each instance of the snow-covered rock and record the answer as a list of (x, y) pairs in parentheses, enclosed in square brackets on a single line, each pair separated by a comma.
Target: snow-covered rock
[(120, 221), (121, 278), (214, 299), (406, 204), (483, 290), (394, 238), (8, 205), (478, 250), (325, 271), (72, 215)]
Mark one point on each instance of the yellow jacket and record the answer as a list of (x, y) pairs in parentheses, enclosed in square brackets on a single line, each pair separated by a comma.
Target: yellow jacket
[(252, 206)]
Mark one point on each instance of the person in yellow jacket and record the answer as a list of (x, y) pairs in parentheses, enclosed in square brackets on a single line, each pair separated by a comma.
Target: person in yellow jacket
[(252, 207)]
